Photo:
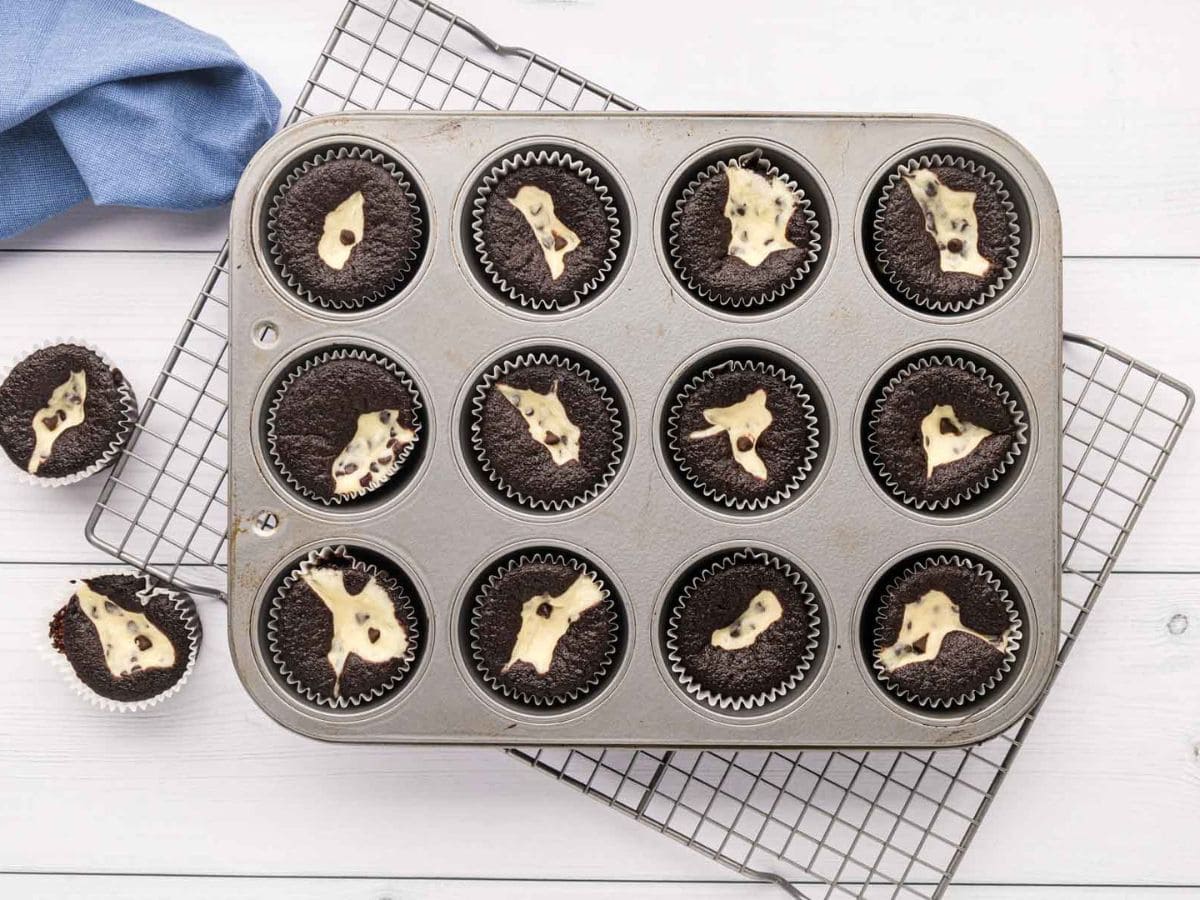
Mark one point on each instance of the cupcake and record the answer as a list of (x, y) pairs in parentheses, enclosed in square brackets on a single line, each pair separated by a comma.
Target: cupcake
[(64, 413), (343, 632), (946, 632), (546, 229), (743, 234), (743, 632), (546, 432), (127, 641), (345, 228), (946, 234), (743, 434), (943, 430), (344, 423), (544, 630)]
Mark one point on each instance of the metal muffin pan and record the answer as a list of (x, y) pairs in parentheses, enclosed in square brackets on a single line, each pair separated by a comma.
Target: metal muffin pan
[(843, 331)]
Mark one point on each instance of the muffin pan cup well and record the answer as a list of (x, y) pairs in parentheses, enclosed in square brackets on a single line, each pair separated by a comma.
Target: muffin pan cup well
[(842, 530)]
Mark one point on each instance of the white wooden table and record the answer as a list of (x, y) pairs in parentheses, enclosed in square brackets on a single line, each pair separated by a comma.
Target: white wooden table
[(209, 797)]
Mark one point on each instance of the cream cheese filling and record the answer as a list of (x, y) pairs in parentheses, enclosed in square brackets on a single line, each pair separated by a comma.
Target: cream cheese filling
[(545, 619), (547, 421), (745, 422), (763, 611), (758, 209), (377, 442), (926, 623), (64, 411), (947, 439), (131, 642), (950, 220), (364, 624), (342, 232), (555, 238)]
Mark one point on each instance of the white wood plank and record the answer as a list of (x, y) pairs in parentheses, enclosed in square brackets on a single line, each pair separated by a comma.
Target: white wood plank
[(208, 785)]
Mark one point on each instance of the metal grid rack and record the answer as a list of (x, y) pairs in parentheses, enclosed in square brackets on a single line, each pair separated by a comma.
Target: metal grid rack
[(869, 824)]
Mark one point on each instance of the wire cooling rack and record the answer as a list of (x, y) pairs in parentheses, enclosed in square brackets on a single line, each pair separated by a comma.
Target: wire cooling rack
[(869, 824)]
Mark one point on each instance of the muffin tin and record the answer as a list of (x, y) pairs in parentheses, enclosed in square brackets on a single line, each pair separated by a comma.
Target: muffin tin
[(646, 333)]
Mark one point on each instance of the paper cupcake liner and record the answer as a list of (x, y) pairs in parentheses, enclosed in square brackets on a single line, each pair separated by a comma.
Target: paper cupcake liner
[(408, 612), (519, 696), (187, 611), (125, 429), (716, 494), (769, 170), (498, 373), (313, 362), (565, 160), (715, 699), (1010, 653), (996, 284), (1020, 434), (367, 154)]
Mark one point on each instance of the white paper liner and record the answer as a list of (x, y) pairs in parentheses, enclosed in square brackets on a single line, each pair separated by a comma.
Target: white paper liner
[(408, 612), (187, 611), (541, 358), (1020, 434), (715, 493), (393, 168), (791, 681), (1009, 655), (124, 429), (315, 361), (481, 597), (995, 283), (562, 159), (803, 206)]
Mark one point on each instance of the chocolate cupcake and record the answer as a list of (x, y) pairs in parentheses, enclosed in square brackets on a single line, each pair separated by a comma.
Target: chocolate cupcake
[(946, 234), (743, 632), (943, 430), (946, 632), (743, 233), (126, 642), (342, 632), (345, 228), (546, 229), (546, 432), (65, 412), (344, 423), (743, 434), (544, 630)]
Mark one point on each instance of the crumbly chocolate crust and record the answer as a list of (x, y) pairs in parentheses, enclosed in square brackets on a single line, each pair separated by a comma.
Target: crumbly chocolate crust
[(27, 389), (513, 249), (318, 415), (73, 635), (582, 656), (378, 263), (898, 441)]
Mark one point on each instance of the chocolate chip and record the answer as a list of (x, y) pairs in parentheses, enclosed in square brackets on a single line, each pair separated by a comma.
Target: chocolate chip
[(110, 607), (954, 245), (768, 242), (920, 644), (51, 422), (740, 210), (347, 236), (372, 634), (551, 438), (931, 190), (535, 210), (374, 467), (548, 242), (744, 444), (544, 610), (735, 632), (62, 415), (945, 426), (143, 642), (360, 618), (385, 459), (559, 241), (349, 469), (365, 481), (385, 416)]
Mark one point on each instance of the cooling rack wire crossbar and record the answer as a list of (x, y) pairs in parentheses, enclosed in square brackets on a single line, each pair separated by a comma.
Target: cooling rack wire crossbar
[(818, 823)]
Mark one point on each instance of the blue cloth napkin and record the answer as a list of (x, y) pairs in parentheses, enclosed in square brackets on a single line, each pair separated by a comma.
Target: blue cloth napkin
[(111, 100)]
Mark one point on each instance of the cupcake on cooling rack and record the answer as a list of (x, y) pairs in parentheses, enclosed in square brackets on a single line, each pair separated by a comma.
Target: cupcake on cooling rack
[(946, 632), (743, 233), (345, 228), (546, 229), (743, 434), (946, 234), (943, 430), (125, 642), (344, 423), (546, 431), (341, 631), (64, 413), (743, 632), (544, 630)]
